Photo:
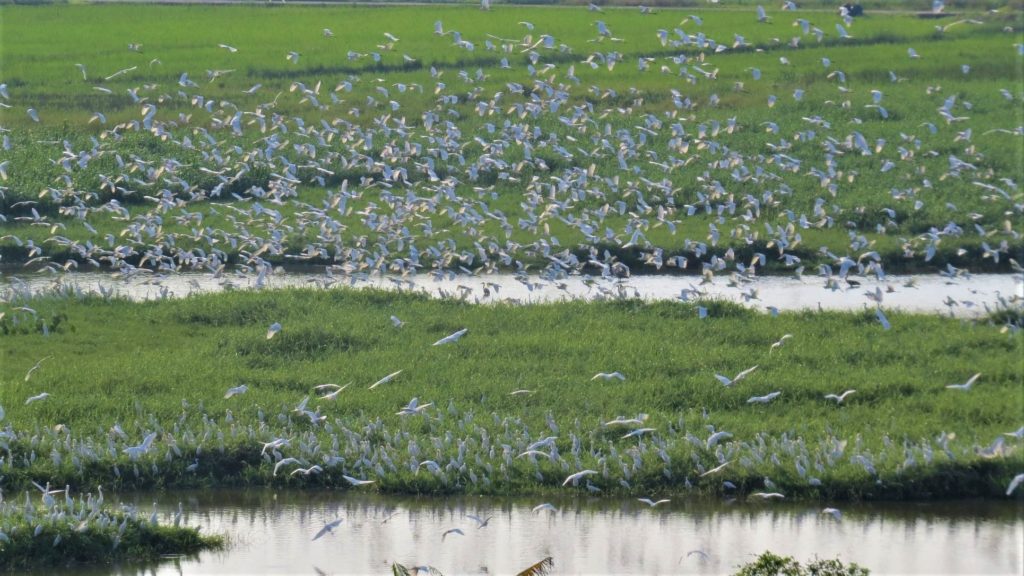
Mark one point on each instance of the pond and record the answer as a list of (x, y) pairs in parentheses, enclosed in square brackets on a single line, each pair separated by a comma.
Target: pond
[(961, 296), (272, 532)]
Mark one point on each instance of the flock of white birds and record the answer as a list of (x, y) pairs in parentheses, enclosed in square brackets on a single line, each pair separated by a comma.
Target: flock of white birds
[(419, 174)]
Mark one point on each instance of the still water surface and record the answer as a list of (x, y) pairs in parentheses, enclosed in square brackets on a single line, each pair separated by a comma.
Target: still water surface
[(962, 296), (271, 532)]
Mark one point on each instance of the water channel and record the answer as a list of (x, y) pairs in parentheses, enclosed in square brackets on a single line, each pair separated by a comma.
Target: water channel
[(961, 296), (271, 532)]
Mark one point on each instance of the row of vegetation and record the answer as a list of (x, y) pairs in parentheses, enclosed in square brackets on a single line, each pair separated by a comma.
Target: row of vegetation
[(192, 392), (65, 531)]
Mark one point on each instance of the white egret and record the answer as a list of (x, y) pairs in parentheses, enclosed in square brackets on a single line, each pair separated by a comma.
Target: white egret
[(273, 330), (608, 376), (481, 522), (834, 512), (37, 397), (1014, 483), (966, 386), (763, 399), (727, 382), (242, 389), (574, 478), (329, 527), (653, 503), (356, 481), (385, 379), (454, 337), (545, 506), (36, 366), (839, 398), (452, 531), (718, 468), (779, 343)]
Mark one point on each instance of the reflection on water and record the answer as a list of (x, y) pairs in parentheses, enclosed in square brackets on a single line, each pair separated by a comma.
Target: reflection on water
[(961, 296), (272, 533)]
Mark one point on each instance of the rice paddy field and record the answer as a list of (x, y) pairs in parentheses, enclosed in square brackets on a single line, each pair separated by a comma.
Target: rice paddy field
[(549, 141)]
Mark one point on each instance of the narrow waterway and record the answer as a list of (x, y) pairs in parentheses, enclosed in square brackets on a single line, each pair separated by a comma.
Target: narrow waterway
[(272, 532), (969, 296)]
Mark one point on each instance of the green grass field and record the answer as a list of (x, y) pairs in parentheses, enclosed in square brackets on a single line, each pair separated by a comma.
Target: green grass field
[(504, 163), (118, 372)]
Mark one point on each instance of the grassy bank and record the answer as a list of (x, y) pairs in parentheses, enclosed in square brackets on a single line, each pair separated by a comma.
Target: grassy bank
[(516, 136), (82, 532), (137, 397)]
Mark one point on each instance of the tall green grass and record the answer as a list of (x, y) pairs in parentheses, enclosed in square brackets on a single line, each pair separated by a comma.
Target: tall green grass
[(166, 366)]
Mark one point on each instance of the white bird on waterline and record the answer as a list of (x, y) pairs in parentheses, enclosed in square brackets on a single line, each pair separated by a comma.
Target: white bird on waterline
[(236, 390), (576, 477), (652, 503), (834, 512), (452, 337), (273, 330), (37, 397), (1014, 483), (385, 379), (608, 376), (329, 527), (767, 495), (727, 382), (966, 386), (357, 481), (839, 397)]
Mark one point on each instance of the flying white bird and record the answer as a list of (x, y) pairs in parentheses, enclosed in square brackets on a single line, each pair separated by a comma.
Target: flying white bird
[(35, 367), (839, 397), (1014, 483), (452, 531), (329, 527), (385, 379), (273, 330), (481, 522), (966, 385), (452, 337), (780, 342), (37, 397), (236, 390), (727, 382), (357, 481), (652, 503), (763, 399), (545, 506), (834, 512), (608, 376), (574, 478)]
